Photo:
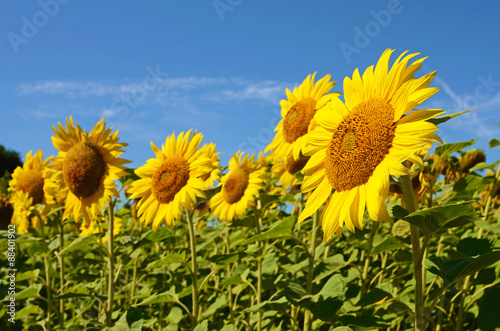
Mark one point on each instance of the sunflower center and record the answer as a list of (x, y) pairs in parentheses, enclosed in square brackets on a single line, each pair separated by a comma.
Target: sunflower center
[(235, 186), (360, 144), (293, 166), (31, 182), (298, 118), (170, 178), (83, 169)]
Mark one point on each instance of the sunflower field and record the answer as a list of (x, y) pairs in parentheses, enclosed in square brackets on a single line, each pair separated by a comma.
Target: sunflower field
[(356, 217)]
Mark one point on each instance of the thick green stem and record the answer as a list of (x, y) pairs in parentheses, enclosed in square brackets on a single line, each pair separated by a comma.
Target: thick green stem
[(111, 264), (61, 275), (409, 196), (368, 258), (194, 269), (259, 265), (229, 288), (310, 270), (47, 278)]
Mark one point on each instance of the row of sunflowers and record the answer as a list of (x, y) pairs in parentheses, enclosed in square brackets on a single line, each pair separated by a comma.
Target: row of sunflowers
[(253, 259)]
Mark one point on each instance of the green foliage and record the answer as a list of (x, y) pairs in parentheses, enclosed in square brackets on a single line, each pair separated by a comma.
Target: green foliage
[(360, 281)]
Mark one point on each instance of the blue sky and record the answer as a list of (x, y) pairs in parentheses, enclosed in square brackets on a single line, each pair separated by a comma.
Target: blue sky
[(222, 66)]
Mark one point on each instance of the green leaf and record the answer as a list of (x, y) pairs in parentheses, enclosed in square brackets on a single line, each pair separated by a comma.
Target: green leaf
[(29, 292), (480, 263), (220, 302), (268, 199), (28, 310), (31, 274), (342, 328), (278, 305), (399, 212), (281, 229), (80, 243), (227, 258), (487, 318), (328, 266), (452, 270), (494, 143), (167, 296), (335, 287), (401, 229), (231, 280), (203, 326), (159, 235), (403, 257), (374, 296), (484, 165), (470, 182), (447, 149), (445, 118), (442, 217), (389, 244), (171, 258), (474, 246)]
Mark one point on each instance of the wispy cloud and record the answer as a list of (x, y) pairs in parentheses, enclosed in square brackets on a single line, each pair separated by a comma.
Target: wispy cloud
[(478, 122), (214, 89)]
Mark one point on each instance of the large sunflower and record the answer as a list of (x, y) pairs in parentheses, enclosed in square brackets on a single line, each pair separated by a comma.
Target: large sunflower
[(298, 116), (172, 180), (357, 145), (86, 167), (239, 187), (30, 185)]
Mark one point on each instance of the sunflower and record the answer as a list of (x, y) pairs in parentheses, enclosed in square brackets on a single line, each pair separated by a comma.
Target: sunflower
[(359, 143), (94, 227), (30, 185), (213, 175), (298, 116), (172, 180), (285, 171), (239, 187), (86, 167), (6, 211)]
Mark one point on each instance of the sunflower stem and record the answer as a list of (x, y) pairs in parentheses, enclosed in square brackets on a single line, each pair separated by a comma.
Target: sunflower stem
[(310, 271), (111, 264), (409, 197), (194, 268), (61, 274), (229, 288), (258, 221), (47, 278)]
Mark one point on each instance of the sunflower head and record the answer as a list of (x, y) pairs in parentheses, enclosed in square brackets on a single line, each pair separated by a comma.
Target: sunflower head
[(239, 187), (298, 113), (357, 144), (470, 159), (173, 180), (6, 210), (211, 177), (285, 171), (30, 185), (86, 168)]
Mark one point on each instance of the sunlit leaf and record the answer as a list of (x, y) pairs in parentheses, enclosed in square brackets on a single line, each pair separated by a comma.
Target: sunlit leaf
[(389, 244), (447, 149), (282, 229), (494, 143), (442, 217), (447, 117), (80, 243)]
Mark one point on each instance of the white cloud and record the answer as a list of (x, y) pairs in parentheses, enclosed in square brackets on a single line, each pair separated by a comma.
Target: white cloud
[(160, 91)]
